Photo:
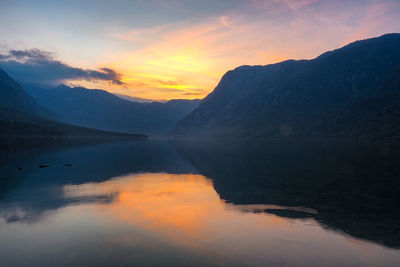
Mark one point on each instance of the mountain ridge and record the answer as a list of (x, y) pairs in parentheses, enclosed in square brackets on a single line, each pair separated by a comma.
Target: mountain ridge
[(306, 98), (22, 116), (100, 109)]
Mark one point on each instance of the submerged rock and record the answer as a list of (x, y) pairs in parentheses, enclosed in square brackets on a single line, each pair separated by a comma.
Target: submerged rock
[(43, 166)]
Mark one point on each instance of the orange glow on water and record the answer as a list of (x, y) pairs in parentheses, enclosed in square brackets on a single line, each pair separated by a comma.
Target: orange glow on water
[(184, 213), (177, 206)]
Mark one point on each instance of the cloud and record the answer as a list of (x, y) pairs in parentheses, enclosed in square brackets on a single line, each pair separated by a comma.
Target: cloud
[(38, 66), (175, 60), (297, 4), (172, 49), (193, 94), (172, 83)]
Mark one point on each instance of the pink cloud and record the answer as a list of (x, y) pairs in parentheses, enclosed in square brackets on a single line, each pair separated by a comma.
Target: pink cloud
[(198, 52)]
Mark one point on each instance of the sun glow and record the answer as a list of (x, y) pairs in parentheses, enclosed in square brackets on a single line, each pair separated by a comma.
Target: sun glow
[(187, 58), (170, 71), (182, 207)]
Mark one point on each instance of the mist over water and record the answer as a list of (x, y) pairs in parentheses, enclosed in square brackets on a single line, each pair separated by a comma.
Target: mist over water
[(203, 203)]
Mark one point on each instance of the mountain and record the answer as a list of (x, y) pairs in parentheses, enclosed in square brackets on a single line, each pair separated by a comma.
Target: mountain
[(102, 110), (136, 99), (14, 97), (352, 91), (21, 115)]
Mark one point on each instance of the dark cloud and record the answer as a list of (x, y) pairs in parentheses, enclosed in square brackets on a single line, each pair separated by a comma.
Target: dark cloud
[(39, 66), (33, 55)]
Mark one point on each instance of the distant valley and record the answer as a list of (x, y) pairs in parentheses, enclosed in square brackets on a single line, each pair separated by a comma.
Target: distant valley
[(353, 91), (22, 116), (100, 109), (66, 111)]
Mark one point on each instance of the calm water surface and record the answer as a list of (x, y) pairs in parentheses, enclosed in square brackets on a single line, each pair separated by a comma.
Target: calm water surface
[(159, 203)]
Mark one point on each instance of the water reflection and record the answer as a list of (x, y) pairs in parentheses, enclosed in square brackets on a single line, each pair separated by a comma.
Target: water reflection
[(353, 186), (157, 203)]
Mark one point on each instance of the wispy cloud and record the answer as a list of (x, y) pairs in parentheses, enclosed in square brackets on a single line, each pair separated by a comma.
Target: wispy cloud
[(195, 54), (164, 49), (38, 66)]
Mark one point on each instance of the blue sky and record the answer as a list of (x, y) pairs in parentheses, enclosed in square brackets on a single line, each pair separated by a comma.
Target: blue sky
[(178, 49)]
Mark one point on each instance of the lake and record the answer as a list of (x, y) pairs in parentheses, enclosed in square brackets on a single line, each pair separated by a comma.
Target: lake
[(199, 203)]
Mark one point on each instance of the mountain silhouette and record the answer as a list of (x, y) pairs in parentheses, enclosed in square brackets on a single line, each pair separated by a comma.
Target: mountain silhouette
[(102, 110), (14, 97), (353, 91), (21, 115)]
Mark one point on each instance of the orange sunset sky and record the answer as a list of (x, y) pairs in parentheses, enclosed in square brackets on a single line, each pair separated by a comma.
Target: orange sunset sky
[(162, 49)]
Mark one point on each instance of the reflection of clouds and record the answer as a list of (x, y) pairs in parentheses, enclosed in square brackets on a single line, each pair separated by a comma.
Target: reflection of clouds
[(262, 207), (183, 211), (41, 203), (186, 211), (184, 205), (154, 200), (16, 214)]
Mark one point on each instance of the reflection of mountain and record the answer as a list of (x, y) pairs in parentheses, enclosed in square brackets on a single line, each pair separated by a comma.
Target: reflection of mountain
[(347, 187), (90, 163), (354, 188)]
